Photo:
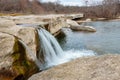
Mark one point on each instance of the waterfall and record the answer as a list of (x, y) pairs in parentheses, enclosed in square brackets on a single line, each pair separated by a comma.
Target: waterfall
[(50, 49), (51, 53)]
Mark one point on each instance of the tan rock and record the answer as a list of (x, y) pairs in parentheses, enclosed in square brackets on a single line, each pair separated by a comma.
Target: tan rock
[(7, 43), (84, 21), (101, 19), (71, 22), (74, 16), (104, 67), (14, 62), (56, 24), (83, 28), (88, 20), (30, 37), (26, 19), (51, 23), (27, 34), (6, 23)]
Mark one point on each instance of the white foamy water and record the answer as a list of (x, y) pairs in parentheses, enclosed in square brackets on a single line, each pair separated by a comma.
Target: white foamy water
[(69, 56), (53, 53)]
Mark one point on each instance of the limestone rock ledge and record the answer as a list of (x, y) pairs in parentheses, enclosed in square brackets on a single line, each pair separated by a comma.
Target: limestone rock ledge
[(76, 27), (106, 67), (14, 63), (83, 28), (27, 34)]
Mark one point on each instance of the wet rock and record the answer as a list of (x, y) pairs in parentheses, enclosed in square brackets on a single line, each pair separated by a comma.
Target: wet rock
[(83, 28), (104, 67), (14, 61)]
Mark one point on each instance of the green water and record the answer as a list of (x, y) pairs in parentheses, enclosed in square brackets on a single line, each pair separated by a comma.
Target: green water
[(105, 41)]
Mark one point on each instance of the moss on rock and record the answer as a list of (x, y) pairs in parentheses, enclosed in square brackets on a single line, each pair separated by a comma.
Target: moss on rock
[(14, 62), (22, 65)]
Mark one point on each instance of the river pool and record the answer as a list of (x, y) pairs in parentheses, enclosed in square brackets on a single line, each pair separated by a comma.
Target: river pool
[(105, 41)]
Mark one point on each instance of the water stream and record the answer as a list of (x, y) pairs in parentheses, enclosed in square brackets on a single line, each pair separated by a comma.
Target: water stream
[(76, 44), (53, 54), (105, 41)]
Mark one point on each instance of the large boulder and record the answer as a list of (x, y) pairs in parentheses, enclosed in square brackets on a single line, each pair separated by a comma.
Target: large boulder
[(14, 61), (83, 28), (104, 67), (27, 34), (56, 24)]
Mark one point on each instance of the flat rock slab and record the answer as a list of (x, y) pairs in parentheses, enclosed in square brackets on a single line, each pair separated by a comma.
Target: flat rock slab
[(106, 67), (83, 28)]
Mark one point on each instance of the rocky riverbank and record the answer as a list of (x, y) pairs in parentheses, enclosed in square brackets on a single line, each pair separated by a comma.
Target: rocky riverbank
[(104, 67), (15, 59), (16, 63)]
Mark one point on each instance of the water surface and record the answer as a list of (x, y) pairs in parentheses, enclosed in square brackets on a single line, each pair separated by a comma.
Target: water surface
[(105, 41)]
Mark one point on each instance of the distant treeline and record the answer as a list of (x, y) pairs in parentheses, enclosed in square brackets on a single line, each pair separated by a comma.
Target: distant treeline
[(105, 9), (20, 6)]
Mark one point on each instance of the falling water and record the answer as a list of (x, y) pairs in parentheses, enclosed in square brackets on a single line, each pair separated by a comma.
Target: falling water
[(51, 53)]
